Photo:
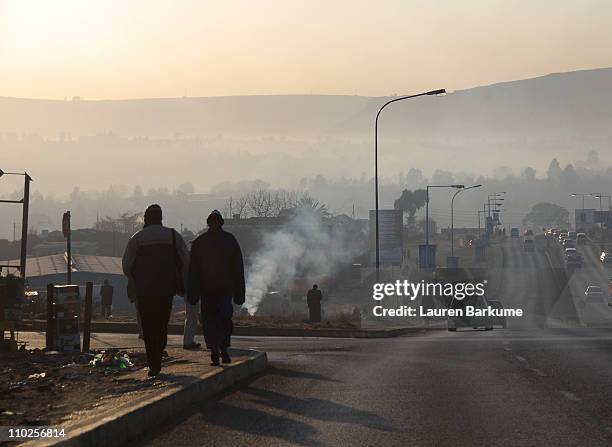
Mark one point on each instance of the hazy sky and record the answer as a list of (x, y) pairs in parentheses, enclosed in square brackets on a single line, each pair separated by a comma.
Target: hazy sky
[(147, 48)]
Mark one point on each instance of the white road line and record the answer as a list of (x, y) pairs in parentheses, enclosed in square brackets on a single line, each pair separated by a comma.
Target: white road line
[(570, 396), (539, 372), (520, 359)]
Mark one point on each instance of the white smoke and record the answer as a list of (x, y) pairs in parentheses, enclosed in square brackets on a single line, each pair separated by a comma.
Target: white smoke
[(304, 245)]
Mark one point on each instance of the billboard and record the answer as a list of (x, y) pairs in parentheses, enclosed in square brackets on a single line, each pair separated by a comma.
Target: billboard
[(390, 234), (585, 219)]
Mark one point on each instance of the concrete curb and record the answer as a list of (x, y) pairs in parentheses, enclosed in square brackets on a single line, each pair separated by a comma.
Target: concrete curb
[(130, 422), (246, 331)]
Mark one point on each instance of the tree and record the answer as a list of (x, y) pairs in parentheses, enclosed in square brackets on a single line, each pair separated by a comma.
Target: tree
[(546, 215), (554, 169), (410, 202), (308, 204), (529, 174)]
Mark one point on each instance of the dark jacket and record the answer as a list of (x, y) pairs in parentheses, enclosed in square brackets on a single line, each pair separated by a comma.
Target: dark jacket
[(216, 270), (106, 293), (152, 264), (314, 297)]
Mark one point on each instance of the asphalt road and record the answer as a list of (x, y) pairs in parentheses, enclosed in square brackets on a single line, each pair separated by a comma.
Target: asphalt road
[(536, 383)]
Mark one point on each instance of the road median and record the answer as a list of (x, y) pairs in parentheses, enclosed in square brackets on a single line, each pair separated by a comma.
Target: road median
[(113, 327)]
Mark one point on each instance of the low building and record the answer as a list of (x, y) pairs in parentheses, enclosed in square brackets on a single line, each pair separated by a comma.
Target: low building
[(44, 270)]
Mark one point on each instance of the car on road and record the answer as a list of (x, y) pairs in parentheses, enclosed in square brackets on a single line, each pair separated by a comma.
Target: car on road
[(514, 233), (475, 322), (571, 235), (581, 239), (569, 243), (528, 245), (572, 258), (594, 293), (498, 321)]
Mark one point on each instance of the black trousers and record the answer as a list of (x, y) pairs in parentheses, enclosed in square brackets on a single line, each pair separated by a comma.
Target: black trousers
[(154, 316), (315, 312), (217, 331)]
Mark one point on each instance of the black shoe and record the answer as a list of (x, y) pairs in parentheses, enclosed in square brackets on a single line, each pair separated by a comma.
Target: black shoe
[(153, 372), (214, 359), (192, 346), (225, 358)]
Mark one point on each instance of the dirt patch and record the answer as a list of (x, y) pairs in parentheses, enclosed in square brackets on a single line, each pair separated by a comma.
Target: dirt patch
[(45, 388)]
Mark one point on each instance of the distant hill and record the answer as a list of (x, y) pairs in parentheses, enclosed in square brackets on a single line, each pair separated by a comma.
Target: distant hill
[(575, 103)]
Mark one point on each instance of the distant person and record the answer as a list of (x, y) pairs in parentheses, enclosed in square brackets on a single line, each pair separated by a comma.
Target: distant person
[(216, 276), (313, 299), (106, 299), (154, 261)]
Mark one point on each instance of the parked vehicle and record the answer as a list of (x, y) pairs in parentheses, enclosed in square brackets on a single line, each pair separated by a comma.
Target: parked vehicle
[(606, 257)]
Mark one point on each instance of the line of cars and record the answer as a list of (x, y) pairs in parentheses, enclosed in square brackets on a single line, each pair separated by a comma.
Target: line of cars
[(569, 240)]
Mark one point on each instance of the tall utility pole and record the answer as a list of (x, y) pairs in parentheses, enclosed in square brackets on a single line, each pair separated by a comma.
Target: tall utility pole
[(452, 235), (25, 202), (66, 231), (24, 224), (401, 98)]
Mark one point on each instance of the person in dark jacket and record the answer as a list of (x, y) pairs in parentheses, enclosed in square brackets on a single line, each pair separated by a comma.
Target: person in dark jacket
[(313, 299), (106, 299), (154, 260), (216, 276)]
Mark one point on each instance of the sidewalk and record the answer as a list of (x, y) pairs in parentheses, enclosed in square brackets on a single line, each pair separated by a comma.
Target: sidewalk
[(134, 404)]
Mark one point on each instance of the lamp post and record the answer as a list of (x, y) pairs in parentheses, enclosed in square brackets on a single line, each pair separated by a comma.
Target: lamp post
[(401, 98), (603, 234), (25, 202), (581, 195), (427, 216), (483, 212), (452, 238), (494, 197)]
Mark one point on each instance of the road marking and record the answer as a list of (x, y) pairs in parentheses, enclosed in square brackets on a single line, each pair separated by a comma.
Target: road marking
[(539, 372), (569, 395), (508, 349), (520, 359)]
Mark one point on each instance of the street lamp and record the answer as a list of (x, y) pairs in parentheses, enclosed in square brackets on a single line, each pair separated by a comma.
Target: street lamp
[(427, 216), (600, 196), (495, 197), (583, 196), (401, 98), (452, 241), (603, 234), (25, 202)]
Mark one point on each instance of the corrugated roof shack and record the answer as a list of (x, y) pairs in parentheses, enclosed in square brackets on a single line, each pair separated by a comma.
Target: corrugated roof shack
[(52, 269)]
